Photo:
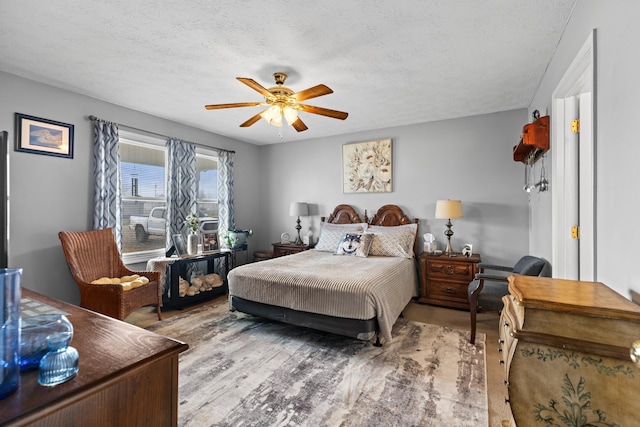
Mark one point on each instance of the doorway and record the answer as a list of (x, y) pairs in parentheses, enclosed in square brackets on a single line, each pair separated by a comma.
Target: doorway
[(573, 174)]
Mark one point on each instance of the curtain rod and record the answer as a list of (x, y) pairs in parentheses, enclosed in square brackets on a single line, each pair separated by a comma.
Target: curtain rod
[(94, 118)]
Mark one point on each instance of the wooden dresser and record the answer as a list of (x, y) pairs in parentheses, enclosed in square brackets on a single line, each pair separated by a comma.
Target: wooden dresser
[(445, 280), (127, 377), (565, 349)]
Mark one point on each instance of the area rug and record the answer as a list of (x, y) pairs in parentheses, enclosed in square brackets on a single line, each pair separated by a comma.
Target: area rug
[(241, 370)]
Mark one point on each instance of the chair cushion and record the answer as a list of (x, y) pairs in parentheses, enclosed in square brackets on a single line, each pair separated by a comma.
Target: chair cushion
[(529, 266), (491, 295)]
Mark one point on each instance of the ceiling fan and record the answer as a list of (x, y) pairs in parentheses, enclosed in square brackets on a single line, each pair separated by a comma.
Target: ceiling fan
[(282, 101)]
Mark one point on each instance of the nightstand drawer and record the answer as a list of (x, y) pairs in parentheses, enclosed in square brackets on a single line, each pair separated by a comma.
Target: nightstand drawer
[(447, 290), (283, 249), (451, 271)]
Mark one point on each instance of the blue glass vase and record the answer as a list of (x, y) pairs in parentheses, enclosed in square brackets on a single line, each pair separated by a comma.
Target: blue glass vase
[(34, 331), (60, 364), (10, 330)]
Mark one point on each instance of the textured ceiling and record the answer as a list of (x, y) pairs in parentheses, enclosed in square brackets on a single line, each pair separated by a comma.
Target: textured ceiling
[(389, 63)]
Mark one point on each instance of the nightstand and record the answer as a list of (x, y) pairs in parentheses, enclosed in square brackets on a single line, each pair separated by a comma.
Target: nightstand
[(282, 249), (445, 280)]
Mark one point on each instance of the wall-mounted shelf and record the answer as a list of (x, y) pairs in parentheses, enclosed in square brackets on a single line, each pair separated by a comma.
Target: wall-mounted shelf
[(534, 142)]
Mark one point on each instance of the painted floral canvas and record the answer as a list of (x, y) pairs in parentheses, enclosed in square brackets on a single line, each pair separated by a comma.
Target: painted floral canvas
[(366, 167)]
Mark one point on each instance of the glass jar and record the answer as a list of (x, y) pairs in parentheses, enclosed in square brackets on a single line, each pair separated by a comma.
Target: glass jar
[(10, 331), (60, 364), (34, 331)]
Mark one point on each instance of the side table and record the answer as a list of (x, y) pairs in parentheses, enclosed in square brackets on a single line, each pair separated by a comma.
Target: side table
[(282, 249), (445, 279)]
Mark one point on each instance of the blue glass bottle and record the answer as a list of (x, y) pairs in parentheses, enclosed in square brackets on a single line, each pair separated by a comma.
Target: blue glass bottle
[(34, 331), (10, 330), (60, 364)]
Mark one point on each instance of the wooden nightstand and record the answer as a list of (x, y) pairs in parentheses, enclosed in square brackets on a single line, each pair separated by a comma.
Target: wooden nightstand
[(282, 249), (445, 279)]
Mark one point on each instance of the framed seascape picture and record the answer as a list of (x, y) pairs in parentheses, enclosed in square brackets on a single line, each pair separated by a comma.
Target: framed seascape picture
[(209, 241), (41, 136), (367, 167)]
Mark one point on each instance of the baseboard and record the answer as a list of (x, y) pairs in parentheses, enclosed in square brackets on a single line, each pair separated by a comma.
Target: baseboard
[(635, 296)]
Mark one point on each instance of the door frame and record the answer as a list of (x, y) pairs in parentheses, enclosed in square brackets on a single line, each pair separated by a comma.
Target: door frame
[(578, 80)]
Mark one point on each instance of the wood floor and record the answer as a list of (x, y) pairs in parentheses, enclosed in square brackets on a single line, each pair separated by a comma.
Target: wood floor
[(458, 319)]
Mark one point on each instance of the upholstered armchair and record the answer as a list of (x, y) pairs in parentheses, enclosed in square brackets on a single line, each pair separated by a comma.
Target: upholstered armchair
[(94, 254), (486, 290)]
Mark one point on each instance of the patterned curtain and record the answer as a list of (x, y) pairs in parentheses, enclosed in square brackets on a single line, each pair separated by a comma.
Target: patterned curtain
[(181, 184), (225, 192), (107, 196)]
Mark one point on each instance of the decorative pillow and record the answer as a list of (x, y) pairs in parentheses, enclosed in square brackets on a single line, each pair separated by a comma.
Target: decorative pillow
[(356, 244), (330, 234), (406, 228), (392, 244)]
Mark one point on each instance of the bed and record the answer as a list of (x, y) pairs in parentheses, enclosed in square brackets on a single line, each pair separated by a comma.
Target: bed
[(330, 287)]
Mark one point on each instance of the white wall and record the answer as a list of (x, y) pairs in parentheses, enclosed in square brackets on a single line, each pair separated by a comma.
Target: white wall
[(617, 147), (51, 194), (468, 158)]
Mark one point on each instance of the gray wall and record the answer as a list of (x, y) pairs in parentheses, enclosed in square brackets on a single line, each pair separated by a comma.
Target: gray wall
[(617, 147), (468, 159), (50, 194)]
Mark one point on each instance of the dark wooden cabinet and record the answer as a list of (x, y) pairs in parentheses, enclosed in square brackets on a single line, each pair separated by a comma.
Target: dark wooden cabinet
[(282, 249), (445, 279), (127, 377), (215, 262)]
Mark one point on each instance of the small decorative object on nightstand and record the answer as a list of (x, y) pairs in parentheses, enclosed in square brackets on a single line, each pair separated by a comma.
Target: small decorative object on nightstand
[(445, 280)]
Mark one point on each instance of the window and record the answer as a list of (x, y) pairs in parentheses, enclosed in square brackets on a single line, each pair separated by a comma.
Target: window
[(143, 161)]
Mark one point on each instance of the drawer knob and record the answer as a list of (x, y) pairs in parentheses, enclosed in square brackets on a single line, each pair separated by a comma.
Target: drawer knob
[(449, 269), (506, 382), (501, 361), (500, 341), (449, 290), (506, 324), (506, 400)]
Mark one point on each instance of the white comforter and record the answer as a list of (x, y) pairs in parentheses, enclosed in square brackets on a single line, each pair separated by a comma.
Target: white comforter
[(333, 285)]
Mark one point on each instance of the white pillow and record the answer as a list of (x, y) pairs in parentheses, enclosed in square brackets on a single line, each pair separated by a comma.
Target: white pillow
[(330, 234), (407, 228), (354, 244), (394, 244)]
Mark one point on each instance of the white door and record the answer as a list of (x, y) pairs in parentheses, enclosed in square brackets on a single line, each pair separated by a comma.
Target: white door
[(573, 202)]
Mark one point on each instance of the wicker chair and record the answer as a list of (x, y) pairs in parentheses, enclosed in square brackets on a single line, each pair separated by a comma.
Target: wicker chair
[(94, 254)]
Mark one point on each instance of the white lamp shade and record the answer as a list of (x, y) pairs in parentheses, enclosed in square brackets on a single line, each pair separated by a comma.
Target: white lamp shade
[(298, 209), (447, 209)]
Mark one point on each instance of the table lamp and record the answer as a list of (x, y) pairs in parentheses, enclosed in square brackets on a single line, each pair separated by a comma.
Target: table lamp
[(448, 209), (298, 209)]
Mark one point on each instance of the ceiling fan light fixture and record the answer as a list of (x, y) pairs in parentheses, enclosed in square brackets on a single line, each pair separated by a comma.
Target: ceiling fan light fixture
[(273, 115), (290, 114)]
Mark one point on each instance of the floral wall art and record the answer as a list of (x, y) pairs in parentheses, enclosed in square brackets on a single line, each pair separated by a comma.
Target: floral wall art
[(366, 167)]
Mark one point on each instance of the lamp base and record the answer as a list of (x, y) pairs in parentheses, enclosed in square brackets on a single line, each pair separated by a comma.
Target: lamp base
[(298, 227), (449, 232)]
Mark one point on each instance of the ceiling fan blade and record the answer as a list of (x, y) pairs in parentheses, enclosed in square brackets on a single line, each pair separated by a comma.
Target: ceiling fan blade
[(255, 86), (252, 120), (237, 104), (312, 92), (323, 111), (299, 125)]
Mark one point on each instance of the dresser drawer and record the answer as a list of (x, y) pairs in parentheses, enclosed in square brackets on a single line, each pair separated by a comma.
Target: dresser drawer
[(451, 271)]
